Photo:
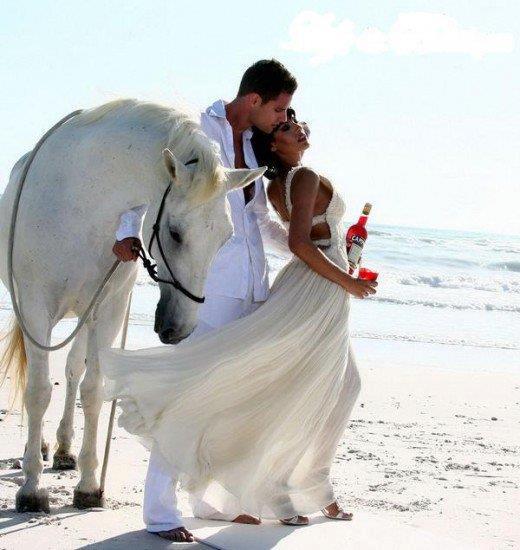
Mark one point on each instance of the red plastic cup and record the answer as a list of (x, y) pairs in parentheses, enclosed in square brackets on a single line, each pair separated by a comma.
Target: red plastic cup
[(367, 275)]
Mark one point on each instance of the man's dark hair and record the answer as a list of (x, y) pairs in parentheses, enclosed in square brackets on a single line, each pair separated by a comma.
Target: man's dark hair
[(268, 78)]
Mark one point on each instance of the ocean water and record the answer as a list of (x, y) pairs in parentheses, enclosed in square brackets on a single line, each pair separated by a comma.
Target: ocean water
[(435, 286), (449, 287)]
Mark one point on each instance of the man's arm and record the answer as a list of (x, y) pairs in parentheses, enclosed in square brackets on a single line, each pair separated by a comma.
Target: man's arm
[(127, 234)]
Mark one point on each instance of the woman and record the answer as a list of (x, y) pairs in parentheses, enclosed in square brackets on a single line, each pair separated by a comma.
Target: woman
[(251, 414)]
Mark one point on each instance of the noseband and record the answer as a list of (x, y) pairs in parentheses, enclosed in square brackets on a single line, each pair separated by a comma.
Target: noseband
[(152, 268)]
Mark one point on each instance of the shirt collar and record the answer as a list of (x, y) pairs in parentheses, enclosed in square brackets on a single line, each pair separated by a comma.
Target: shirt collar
[(218, 110)]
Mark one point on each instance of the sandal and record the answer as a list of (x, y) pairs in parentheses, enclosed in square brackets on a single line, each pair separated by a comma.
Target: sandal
[(341, 515), (296, 520)]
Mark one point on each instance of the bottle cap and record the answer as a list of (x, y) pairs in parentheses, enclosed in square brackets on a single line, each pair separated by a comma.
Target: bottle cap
[(366, 210)]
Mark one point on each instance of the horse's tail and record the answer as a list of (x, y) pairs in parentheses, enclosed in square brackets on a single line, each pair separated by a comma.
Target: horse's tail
[(13, 361)]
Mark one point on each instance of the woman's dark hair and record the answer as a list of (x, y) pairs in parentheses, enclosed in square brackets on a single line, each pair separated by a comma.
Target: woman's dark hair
[(262, 142), (268, 78)]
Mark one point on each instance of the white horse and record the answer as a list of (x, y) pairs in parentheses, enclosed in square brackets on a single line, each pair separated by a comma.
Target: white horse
[(97, 165)]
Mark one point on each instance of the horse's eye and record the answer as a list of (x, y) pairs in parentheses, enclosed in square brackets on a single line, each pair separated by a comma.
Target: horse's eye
[(175, 236)]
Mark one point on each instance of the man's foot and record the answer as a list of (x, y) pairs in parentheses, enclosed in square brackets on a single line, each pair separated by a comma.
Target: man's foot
[(245, 518), (179, 534)]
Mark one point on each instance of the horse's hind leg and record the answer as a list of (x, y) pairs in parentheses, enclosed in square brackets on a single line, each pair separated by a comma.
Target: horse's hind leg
[(30, 497), (63, 458), (101, 333)]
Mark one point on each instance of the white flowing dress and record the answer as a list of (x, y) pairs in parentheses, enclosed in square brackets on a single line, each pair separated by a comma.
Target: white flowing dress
[(251, 413)]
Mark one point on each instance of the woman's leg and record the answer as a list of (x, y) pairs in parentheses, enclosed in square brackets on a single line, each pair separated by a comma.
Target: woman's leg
[(311, 475), (335, 426)]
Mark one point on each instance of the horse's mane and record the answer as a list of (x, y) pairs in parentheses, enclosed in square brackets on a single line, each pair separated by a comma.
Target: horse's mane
[(185, 138)]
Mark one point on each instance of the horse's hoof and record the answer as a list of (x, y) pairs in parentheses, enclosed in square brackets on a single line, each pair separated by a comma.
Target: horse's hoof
[(64, 462), (45, 451), (88, 500), (33, 502)]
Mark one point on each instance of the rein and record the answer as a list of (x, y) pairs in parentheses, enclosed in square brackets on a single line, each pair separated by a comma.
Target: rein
[(152, 268)]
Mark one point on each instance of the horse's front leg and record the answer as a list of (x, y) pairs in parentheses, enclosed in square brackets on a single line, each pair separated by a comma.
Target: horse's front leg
[(63, 458), (101, 333), (31, 497)]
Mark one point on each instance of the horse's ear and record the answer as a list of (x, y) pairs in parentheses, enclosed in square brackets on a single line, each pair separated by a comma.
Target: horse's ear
[(240, 177), (175, 168)]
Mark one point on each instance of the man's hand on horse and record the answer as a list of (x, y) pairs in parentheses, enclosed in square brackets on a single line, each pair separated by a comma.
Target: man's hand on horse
[(127, 250)]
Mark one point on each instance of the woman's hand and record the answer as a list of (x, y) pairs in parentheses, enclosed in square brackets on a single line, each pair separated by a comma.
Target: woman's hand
[(360, 288)]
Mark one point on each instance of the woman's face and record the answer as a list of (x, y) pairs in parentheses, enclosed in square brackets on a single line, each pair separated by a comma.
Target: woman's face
[(290, 138)]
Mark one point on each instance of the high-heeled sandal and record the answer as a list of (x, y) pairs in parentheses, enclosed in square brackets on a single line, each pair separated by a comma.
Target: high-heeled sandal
[(295, 520), (341, 515)]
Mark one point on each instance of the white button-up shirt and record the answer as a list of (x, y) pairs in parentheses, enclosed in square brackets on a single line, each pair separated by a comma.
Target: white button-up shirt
[(241, 262)]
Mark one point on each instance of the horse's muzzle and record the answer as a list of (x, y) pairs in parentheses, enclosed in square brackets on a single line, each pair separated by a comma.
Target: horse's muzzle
[(170, 336)]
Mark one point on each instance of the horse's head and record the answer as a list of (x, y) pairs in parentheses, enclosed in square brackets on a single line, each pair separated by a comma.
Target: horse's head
[(191, 231)]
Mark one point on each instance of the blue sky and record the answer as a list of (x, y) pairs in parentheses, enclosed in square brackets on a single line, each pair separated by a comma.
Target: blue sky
[(419, 115)]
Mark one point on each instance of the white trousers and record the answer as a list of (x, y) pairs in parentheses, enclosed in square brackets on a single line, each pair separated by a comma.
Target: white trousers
[(160, 509)]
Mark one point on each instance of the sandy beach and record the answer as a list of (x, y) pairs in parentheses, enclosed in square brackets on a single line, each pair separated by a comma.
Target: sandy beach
[(410, 108), (431, 459)]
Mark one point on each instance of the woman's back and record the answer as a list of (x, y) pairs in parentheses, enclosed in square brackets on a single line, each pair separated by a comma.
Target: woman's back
[(328, 208)]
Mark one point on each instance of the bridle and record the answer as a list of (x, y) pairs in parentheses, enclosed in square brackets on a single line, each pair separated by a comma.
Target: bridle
[(152, 268)]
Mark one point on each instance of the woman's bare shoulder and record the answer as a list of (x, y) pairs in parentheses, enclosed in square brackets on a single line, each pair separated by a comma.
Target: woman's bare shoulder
[(305, 174)]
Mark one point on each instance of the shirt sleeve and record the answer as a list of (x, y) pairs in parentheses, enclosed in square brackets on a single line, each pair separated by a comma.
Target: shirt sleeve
[(274, 234), (130, 222)]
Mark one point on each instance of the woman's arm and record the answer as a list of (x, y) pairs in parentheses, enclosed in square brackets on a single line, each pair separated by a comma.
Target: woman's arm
[(304, 191)]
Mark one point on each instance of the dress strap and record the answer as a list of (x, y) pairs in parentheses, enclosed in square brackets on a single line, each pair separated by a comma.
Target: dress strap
[(288, 181)]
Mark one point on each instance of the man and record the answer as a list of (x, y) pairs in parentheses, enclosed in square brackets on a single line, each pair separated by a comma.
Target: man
[(237, 282)]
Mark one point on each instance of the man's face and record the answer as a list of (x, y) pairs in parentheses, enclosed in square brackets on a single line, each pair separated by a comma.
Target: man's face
[(267, 116)]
